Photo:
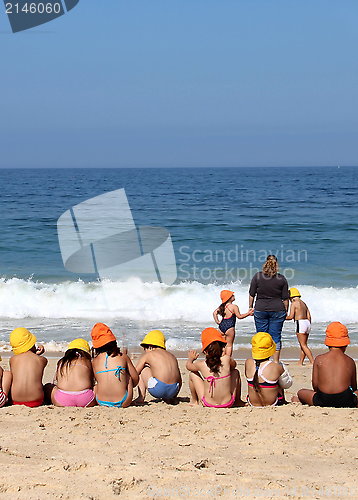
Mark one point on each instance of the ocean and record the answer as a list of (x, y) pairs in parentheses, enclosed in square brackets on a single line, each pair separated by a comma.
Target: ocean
[(222, 223)]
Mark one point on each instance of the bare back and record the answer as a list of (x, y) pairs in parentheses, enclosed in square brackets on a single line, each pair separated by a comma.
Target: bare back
[(77, 376), (110, 387), (27, 371), (333, 372), (163, 365), (219, 391), (267, 395), (301, 310)]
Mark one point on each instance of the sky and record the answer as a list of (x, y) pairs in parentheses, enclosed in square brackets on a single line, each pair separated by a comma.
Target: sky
[(170, 83)]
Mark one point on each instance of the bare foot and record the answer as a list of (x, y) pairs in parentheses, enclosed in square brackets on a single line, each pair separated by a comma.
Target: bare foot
[(300, 364), (193, 403), (138, 402), (295, 399)]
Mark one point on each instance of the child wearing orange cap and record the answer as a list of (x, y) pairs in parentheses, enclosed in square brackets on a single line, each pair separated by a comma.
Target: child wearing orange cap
[(214, 382), (27, 367), (334, 377), (113, 370), (228, 313), (74, 380), (300, 313), (158, 370)]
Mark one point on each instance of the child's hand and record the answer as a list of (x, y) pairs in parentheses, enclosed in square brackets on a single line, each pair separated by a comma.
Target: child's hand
[(251, 311), (40, 349), (193, 355)]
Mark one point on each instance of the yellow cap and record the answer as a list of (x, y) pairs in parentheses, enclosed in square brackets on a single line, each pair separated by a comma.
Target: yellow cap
[(294, 293), (79, 344), (21, 340), (155, 337), (263, 345)]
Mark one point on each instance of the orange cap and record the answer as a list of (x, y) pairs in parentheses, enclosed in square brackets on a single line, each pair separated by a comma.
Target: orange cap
[(225, 295), (210, 335), (101, 334), (337, 335)]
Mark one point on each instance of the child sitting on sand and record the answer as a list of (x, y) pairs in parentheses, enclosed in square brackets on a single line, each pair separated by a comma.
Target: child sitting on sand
[(74, 377), (228, 313), (158, 369), (5, 385), (266, 379), (300, 313), (113, 370), (27, 367), (214, 381), (334, 377)]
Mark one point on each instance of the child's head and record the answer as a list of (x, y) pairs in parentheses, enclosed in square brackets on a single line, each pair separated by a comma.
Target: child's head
[(153, 339), (213, 345), (294, 293), (22, 340), (337, 335), (263, 346), (227, 296), (78, 348), (103, 340)]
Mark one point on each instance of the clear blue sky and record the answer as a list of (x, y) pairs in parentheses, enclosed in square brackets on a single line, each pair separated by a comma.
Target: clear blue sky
[(117, 83)]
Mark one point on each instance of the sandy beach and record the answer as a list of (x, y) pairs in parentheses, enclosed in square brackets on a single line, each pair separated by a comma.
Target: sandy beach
[(161, 451)]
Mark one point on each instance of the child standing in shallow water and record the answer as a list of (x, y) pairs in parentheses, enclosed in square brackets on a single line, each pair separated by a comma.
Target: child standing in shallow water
[(113, 370), (300, 313), (74, 377), (228, 313), (27, 367), (214, 381), (158, 369)]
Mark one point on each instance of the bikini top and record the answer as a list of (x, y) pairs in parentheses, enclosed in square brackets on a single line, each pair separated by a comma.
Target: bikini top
[(212, 381), (267, 382), (117, 370)]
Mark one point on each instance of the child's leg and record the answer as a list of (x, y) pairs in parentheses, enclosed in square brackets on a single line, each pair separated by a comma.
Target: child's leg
[(196, 386), (229, 337), (305, 396), (145, 375), (302, 339), (236, 387)]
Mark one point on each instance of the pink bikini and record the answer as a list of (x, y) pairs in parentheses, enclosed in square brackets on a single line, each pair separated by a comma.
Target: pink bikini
[(212, 381), (74, 398)]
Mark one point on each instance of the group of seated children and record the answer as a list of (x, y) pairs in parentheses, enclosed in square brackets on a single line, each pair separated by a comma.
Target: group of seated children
[(108, 376)]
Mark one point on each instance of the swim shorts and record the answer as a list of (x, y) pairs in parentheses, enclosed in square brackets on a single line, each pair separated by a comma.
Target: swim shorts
[(345, 399), (161, 390)]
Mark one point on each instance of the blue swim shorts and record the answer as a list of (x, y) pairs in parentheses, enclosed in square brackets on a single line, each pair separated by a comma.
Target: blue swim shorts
[(161, 390)]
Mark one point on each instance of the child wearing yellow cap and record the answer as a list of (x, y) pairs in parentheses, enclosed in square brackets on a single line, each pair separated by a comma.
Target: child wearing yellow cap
[(266, 378), (5, 384), (158, 370), (300, 313), (74, 380), (27, 367), (215, 381), (228, 312), (334, 375)]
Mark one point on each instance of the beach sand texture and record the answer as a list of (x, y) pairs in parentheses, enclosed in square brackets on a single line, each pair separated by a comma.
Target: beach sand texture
[(161, 451)]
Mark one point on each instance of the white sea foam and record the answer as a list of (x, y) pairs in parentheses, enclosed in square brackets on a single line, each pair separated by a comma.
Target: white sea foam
[(133, 300)]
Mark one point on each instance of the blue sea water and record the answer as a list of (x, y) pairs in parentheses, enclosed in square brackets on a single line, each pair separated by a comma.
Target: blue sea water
[(223, 222)]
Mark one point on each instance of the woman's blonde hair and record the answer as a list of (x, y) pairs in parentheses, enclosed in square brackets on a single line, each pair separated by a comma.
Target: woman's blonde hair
[(270, 268)]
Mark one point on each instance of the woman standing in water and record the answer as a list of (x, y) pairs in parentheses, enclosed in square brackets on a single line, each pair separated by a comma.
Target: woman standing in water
[(270, 289)]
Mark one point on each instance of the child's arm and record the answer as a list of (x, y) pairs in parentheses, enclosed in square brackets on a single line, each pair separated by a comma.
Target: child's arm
[(1, 373), (232, 364), (309, 315), (192, 356), (315, 375), (216, 316), (131, 370), (354, 377), (141, 363), (40, 349), (291, 314), (237, 313)]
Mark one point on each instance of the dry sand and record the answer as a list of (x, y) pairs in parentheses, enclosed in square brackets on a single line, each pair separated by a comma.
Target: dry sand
[(161, 451)]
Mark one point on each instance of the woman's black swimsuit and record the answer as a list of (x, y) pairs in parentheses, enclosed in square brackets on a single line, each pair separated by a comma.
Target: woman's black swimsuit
[(345, 399)]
